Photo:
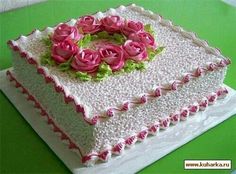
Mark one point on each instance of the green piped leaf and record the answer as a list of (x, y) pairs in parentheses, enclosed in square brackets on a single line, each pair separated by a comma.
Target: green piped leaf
[(104, 68), (83, 76), (148, 28), (85, 41), (47, 41), (100, 77), (65, 66), (153, 53), (131, 65), (103, 72), (94, 37), (46, 59), (140, 66), (121, 71), (159, 50), (71, 73), (120, 39), (103, 35)]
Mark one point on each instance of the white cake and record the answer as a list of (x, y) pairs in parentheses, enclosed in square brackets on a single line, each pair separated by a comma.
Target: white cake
[(101, 118)]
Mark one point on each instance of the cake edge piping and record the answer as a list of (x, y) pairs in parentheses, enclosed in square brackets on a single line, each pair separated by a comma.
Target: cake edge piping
[(160, 89), (117, 149)]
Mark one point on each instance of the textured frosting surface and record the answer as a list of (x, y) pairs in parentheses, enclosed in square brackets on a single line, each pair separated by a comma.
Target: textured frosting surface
[(143, 116), (184, 53), (64, 114), (108, 133), (96, 97)]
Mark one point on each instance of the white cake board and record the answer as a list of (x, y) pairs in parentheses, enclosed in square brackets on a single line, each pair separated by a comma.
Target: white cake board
[(133, 159)]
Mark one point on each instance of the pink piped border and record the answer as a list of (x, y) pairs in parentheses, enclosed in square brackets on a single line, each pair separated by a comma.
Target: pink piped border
[(159, 91), (58, 88), (118, 148), (110, 112), (43, 113)]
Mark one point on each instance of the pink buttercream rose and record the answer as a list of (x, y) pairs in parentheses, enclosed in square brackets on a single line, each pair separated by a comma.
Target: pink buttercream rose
[(86, 61), (135, 50), (112, 24), (64, 31), (63, 51), (113, 55), (88, 24), (131, 27), (144, 37)]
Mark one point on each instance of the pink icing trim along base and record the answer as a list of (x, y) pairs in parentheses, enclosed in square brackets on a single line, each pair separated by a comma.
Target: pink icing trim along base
[(118, 148), (172, 119), (44, 114)]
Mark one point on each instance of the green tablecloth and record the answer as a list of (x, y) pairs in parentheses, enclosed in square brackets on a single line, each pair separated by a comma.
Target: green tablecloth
[(22, 151)]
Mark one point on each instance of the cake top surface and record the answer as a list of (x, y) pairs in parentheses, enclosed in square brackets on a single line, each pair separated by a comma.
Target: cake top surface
[(183, 53)]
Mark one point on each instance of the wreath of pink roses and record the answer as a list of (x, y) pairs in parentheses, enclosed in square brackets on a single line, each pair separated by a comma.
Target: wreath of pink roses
[(65, 49)]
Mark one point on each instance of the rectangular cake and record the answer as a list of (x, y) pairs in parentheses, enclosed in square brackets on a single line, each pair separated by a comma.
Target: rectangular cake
[(109, 80)]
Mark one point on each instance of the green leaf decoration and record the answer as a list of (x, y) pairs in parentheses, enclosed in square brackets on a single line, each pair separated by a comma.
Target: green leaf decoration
[(83, 76), (94, 37), (148, 28), (131, 65), (120, 39), (65, 66), (140, 66), (159, 50), (153, 53), (121, 71), (100, 77), (103, 72), (103, 35), (80, 43), (47, 60), (85, 41), (71, 73), (47, 41)]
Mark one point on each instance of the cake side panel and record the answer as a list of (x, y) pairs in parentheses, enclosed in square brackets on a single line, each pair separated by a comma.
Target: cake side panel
[(64, 114), (129, 123)]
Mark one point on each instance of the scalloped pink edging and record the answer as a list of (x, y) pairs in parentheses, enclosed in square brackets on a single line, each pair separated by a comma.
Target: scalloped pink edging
[(159, 91), (117, 149), (43, 113)]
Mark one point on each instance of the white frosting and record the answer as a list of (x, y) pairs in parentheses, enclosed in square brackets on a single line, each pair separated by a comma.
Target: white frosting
[(182, 51)]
